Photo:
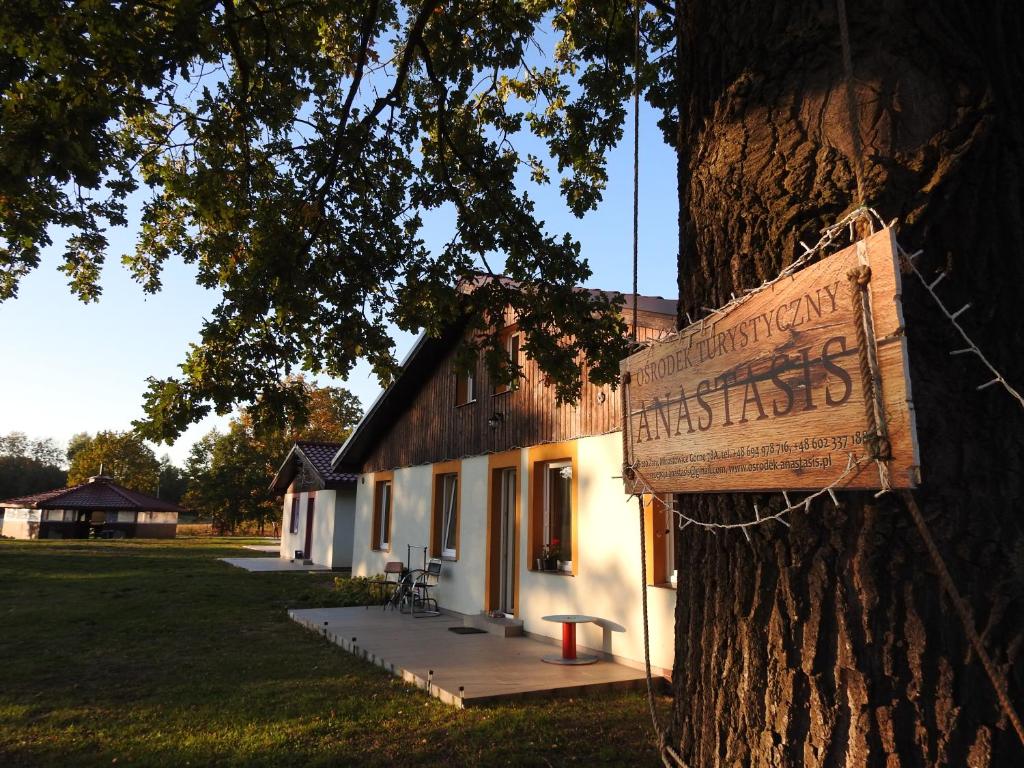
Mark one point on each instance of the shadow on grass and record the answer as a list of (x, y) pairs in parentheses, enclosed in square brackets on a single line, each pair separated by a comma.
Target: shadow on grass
[(157, 653)]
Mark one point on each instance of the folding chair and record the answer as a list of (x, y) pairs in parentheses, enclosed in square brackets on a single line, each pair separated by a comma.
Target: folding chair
[(389, 584)]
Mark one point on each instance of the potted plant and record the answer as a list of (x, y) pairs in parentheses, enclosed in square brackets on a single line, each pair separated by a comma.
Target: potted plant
[(550, 554)]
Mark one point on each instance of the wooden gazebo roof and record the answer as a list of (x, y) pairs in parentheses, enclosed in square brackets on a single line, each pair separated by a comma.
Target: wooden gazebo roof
[(99, 493)]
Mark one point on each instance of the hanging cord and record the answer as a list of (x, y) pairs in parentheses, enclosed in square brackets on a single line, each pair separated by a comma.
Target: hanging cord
[(994, 675), (647, 643), (851, 100), (636, 161), (665, 751)]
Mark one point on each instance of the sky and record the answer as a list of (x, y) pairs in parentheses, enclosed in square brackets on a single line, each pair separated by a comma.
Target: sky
[(70, 367)]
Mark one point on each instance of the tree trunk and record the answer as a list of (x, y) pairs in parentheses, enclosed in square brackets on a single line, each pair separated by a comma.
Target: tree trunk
[(832, 643)]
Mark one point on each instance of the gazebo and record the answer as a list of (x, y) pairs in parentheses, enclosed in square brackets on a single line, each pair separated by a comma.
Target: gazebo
[(99, 506)]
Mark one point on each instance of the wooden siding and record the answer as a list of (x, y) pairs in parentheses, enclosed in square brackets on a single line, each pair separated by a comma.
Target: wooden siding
[(433, 428)]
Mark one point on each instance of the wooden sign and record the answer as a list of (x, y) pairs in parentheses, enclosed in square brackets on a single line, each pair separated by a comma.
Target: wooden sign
[(769, 394)]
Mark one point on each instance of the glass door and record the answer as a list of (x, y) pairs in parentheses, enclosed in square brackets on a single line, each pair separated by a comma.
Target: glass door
[(507, 547)]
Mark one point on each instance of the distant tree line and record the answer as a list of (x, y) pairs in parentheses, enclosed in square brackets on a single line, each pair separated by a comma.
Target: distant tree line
[(230, 472), (29, 466), (226, 478)]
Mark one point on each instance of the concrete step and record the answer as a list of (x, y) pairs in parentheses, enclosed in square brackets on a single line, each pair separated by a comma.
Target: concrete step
[(501, 627)]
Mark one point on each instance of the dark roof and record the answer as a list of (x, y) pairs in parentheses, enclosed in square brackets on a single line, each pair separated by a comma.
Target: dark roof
[(648, 303), (644, 303), (419, 365), (97, 494), (316, 455)]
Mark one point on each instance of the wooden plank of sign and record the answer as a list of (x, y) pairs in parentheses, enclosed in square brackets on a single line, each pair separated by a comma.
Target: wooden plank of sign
[(768, 395)]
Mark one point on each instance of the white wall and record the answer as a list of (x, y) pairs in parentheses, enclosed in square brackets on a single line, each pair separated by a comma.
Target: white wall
[(323, 528), (291, 542), (461, 587), (333, 519), (21, 523), (410, 521), (607, 580)]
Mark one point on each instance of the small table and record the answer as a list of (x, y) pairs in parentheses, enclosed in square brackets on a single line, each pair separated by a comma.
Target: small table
[(569, 622)]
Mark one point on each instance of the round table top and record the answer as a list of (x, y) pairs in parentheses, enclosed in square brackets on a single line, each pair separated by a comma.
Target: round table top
[(570, 618)]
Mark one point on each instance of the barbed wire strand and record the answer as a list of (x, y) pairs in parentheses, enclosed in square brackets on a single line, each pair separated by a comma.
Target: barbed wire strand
[(908, 260), (853, 467)]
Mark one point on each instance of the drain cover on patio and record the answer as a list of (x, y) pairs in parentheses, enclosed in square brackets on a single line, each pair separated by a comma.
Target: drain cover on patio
[(467, 631)]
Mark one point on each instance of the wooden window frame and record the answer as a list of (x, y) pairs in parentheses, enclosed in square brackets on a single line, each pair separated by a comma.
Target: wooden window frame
[(507, 336), (382, 480), (465, 388), (658, 524), (440, 471), (540, 457)]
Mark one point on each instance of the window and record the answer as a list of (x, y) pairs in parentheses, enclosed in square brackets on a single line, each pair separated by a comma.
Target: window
[(659, 520), (447, 515), (670, 539), (558, 512), (511, 341), (293, 523), (444, 520), (552, 533), (465, 388), (382, 515)]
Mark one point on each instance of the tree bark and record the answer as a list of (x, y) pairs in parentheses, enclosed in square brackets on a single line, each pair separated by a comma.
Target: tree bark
[(832, 643)]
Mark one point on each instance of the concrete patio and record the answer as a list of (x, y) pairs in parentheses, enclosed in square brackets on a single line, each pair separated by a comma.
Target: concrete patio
[(270, 564), (461, 670)]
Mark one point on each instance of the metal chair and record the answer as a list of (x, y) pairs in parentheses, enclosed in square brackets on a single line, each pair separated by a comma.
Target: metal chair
[(389, 584), (423, 582)]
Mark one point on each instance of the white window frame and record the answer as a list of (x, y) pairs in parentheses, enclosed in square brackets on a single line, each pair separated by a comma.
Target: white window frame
[(670, 539), (449, 512), (384, 535), (469, 377), (566, 564), (514, 384), (293, 522)]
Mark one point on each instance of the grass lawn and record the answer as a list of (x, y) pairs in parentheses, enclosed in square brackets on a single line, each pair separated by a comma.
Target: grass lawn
[(156, 653)]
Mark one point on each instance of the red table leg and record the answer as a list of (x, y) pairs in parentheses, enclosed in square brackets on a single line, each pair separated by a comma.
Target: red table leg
[(568, 640)]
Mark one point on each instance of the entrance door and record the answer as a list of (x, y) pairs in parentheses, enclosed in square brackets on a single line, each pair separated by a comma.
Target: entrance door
[(507, 543), (310, 508)]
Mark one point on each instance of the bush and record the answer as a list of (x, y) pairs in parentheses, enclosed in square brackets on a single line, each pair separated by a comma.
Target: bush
[(355, 590)]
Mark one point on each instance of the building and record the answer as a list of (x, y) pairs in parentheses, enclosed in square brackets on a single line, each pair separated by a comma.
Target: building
[(520, 497), (318, 513), (96, 507)]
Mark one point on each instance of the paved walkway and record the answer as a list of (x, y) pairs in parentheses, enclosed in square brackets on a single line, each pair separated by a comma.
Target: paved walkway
[(268, 564), (271, 548), (487, 667)]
